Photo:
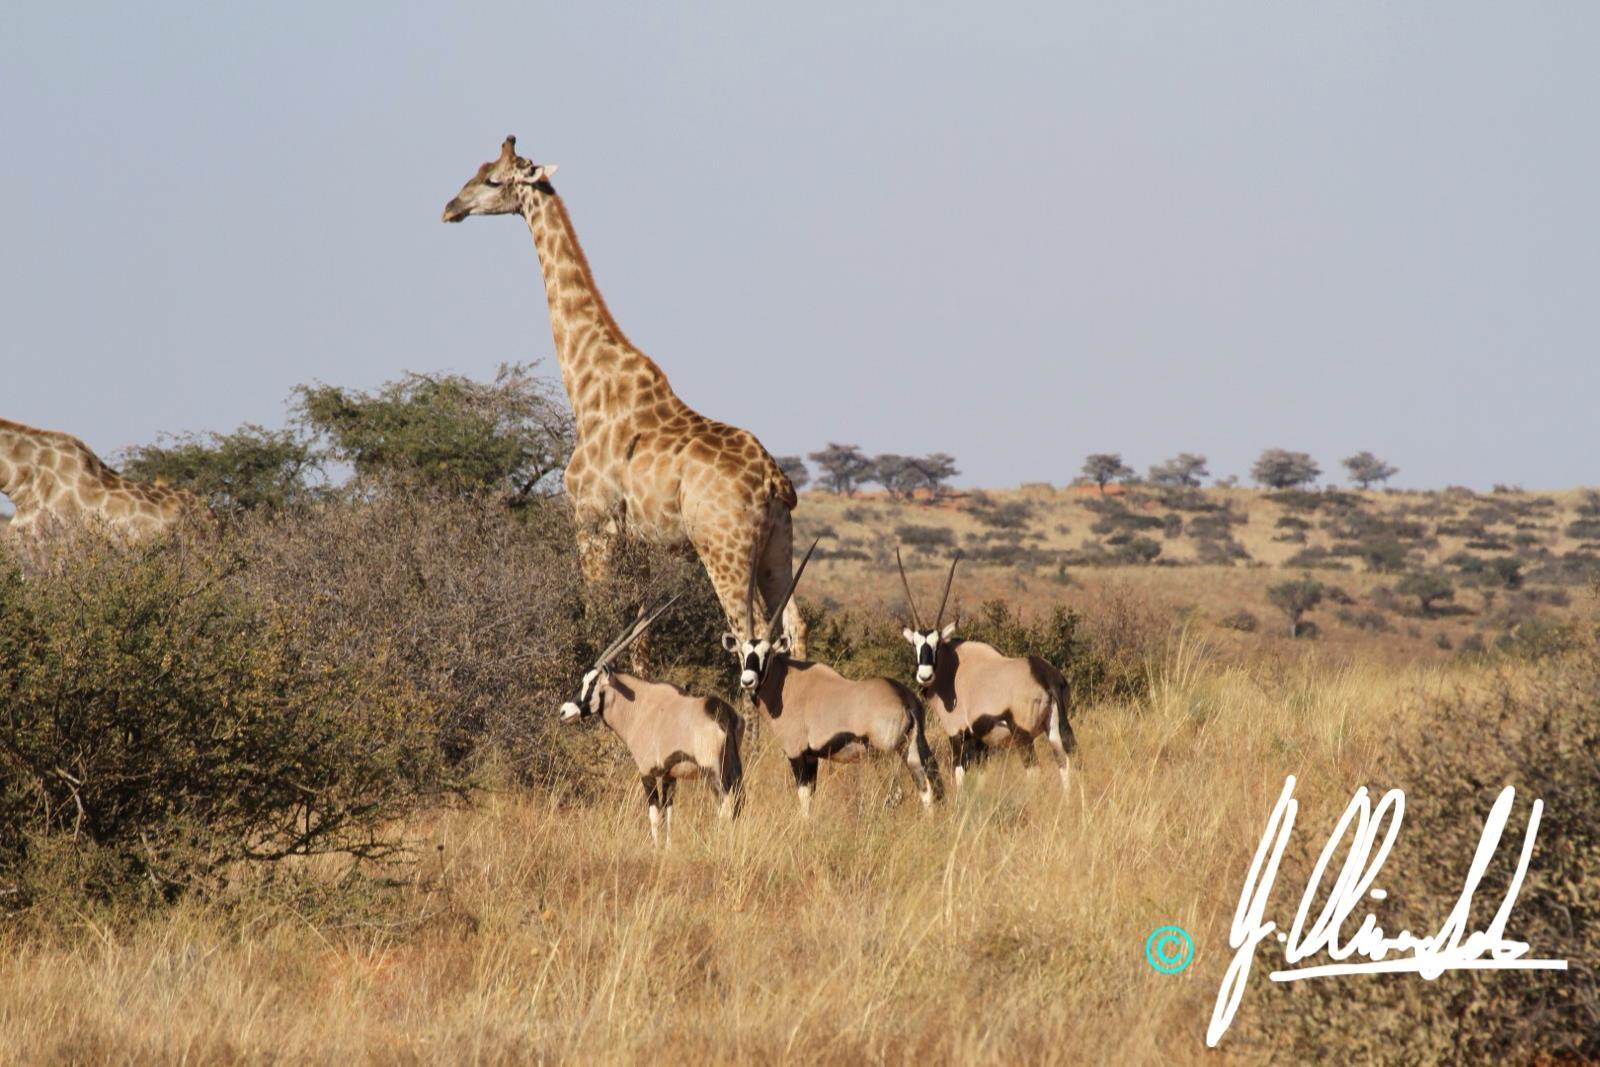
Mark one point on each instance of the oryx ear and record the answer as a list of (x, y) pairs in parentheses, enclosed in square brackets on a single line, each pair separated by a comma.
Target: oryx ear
[(949, 629), (781, 645), (730, 642), (909, 634)]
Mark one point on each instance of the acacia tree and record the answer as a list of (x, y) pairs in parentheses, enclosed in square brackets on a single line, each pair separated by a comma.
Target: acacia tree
[(1366, 469), (1278, 468), (1183, 470), (936, 469), (897, 474), (1427, 588), (251, 468), (1102, 467), (1295, 598), (795, 469), (446, 431), (843, 467)]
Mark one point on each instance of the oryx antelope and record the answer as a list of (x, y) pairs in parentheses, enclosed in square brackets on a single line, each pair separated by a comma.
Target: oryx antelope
[(982, 698), (671, 734), (818, 714)]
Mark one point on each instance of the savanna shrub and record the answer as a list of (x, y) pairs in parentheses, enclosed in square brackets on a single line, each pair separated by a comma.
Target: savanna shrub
[(1542, 737), (914, 535), (160, 726), (1242, 621), (1104, 653), (482, 609)]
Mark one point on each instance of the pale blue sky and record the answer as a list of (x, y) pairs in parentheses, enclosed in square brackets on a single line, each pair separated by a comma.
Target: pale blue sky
[(1018, 233)]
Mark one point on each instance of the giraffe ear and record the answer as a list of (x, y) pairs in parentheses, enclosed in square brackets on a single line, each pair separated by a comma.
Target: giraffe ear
[(538, 174)]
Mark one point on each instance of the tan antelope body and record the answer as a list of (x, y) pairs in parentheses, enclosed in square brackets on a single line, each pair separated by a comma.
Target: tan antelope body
[(670, 733), (983, 698), (818, 714)]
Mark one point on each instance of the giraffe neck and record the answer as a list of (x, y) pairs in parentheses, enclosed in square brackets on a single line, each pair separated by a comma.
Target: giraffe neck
[(605, 375)]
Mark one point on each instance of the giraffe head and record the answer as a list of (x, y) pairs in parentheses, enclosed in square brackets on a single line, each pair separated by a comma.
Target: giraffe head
[(755, 653), (498, 186)]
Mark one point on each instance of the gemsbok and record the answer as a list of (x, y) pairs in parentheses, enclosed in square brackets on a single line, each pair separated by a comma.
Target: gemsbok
[(818, 714), (983, 698), (670, 733)]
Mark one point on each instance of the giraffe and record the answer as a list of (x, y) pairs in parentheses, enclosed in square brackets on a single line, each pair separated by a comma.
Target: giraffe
[(53, 477), (645, 465)]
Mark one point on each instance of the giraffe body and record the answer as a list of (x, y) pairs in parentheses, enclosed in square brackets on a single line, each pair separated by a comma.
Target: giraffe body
[(645, 465), (54, 479)]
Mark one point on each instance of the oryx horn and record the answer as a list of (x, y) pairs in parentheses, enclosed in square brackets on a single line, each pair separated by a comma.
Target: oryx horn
[(631, 634), (777, 613), (911, 601), (950, 578)]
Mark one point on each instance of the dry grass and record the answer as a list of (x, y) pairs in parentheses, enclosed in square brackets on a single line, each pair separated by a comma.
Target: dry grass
[(1006, 926)]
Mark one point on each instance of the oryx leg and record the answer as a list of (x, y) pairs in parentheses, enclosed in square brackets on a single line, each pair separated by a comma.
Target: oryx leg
[(920, 762), (728, 778), (1061, 744), (652, 796), (805, 779), (960, 748), (1024, 746), (668, 786)]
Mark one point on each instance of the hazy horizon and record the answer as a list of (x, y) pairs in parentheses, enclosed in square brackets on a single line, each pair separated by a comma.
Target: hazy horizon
[(1018, 237)]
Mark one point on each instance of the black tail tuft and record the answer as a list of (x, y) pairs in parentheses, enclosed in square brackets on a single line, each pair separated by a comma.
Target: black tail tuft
[(732, 765)]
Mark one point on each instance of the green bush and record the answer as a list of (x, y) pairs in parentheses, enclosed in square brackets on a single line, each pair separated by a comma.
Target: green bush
[(1428, 589), (445, 431), (1103, 659), (1295, 598), (248, 469), (914, 535), (160, 727)]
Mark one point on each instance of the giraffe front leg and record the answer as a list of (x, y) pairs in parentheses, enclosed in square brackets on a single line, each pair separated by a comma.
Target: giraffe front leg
[(772, 580), (595, 554)]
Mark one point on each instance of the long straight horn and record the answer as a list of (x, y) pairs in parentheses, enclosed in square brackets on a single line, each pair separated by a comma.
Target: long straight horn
[(772, 624), (630, 635), (750, 595), (911, 601), (616, 646), (950, 578)]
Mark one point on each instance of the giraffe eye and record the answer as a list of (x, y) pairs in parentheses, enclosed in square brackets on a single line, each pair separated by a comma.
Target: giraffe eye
[(491, 183)]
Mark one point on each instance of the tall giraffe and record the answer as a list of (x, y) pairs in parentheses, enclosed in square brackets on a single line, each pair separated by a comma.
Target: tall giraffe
[(54, 477), (646, 465)]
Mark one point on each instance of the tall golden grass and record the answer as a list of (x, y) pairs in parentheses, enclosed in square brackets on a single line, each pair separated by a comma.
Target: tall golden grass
[(1007, 925)]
